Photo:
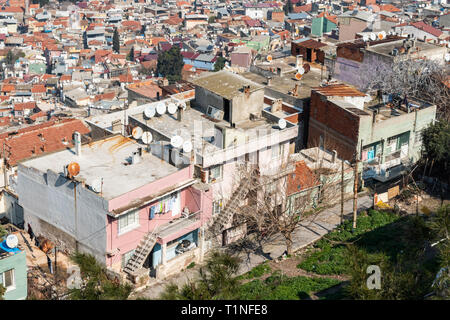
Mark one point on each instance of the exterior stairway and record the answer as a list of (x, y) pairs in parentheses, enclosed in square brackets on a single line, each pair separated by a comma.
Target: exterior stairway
[(233, 204), (142, 251)]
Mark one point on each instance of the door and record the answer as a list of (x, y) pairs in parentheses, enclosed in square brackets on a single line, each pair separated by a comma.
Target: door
[(226, 110)]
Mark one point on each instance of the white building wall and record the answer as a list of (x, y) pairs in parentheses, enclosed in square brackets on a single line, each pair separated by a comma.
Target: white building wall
[(67, 212)]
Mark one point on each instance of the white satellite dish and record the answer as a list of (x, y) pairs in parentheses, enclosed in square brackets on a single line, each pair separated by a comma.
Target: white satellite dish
[(147, 137), (301, 70), (137, 132), (282, 123), (365, 38), (12, 241), (96, 185), (172, 108), (150, 111), (187, 146), (176, 141), (373, 36), (161, 108), (447, 56)]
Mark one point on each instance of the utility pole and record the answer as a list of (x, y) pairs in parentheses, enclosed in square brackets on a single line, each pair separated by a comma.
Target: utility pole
[(355, 194), (342, 191)]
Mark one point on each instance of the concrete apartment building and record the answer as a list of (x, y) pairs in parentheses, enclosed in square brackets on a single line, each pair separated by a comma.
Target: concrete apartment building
[(13, 272), (356, 59), (127, 207), (385, 138)]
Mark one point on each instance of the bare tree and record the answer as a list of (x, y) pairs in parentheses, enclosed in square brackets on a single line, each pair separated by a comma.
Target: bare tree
[(283, 201), (415, 78)]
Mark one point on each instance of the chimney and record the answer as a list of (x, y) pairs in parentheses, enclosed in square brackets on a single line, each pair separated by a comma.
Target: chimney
[(247, 90), (135, 158), (180, 113), (77, 143), (299, 61), (276, 105), (269, 81)]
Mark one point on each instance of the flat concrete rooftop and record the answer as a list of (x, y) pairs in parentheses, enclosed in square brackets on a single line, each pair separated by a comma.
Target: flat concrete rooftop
[(108, 159)]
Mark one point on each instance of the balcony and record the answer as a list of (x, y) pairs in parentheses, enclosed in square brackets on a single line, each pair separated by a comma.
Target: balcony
[(185, 224)]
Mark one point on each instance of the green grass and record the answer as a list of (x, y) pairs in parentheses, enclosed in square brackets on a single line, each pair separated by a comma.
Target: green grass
[(257, 272), (377, 231), (280, 287)]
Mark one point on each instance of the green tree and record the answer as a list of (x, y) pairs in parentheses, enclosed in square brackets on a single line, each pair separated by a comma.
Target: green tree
[(211, 19), (436, 145), (217, 280), (170, 64), (220, 63), (116, 41), (97, 285), (130, 56), (10, 57)]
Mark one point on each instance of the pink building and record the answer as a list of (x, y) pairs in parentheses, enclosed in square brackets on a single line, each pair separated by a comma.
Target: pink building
[(122, 197)]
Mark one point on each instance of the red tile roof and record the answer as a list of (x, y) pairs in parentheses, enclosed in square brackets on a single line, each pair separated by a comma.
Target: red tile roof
[(38, 139), (339, 90), (303, 178)]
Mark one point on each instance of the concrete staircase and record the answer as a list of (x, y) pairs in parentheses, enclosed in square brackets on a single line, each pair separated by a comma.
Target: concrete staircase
[(142, 251)]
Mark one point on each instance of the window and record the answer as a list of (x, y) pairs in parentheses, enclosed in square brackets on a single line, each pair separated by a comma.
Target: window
[(215, 173), (125, 257), (128, 221), (276, 151), (7, 279), (217, 207)]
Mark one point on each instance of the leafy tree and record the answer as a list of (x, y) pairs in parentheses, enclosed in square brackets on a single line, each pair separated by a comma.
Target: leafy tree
[(130, 56), (217, 280), (211, 19), (97, 285), (10, 57), (220, 63), (436, 145), (170, 64), (116, 41)]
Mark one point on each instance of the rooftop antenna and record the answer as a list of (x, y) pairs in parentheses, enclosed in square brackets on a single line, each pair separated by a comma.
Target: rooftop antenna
[(147, 137), (161, 108), (137, 132), (12, 241), (73, 169), (187, 146), (172, 108), (176, 141), (282, 124), (150, 111)]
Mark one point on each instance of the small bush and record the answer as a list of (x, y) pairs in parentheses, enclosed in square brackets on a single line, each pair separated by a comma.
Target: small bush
[(191, 265)]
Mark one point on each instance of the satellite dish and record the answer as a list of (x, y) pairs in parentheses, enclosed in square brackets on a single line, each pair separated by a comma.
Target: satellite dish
[(150, 111), (161, 108), (147, 137), (447, 57), (96, 185), (187, 146), (137, 132), (269, 58), (12, 241), (73, 168), (282, 123), (172, 108), (373, 37), (176, 141), (298, 76), (301, 70), (365, 38)]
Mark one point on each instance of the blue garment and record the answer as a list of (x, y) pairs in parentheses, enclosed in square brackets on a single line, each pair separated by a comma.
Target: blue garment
[(371, 154), (152, 212)]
